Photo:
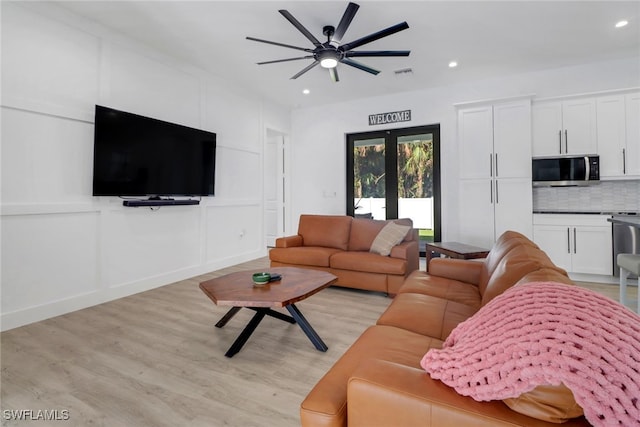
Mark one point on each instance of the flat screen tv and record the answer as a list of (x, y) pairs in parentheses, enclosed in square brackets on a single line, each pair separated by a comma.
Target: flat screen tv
[(138, 156)]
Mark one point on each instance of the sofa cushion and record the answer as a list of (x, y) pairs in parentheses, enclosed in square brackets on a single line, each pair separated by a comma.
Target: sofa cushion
[(329, 231), (326, 404), (363, 232), (546, 274), (369, 262), (425, 315), (391, 235), (518, 262), (303, 255), (423, 283), (507, 241), (552, 403)]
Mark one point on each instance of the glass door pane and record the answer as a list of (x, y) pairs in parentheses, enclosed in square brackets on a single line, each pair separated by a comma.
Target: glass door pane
[(369, 178), (415, 183)]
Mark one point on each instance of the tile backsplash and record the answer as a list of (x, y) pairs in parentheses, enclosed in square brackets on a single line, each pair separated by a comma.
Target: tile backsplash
[(607, 196)]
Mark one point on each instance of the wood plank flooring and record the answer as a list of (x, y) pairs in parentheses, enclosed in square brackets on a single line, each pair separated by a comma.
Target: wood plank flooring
[(156, 359)]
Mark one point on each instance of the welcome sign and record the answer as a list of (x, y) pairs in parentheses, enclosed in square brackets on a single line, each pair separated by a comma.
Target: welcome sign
[(392, 117)]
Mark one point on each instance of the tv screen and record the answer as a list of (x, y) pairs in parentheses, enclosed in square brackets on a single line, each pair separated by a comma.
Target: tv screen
[(140, 156)]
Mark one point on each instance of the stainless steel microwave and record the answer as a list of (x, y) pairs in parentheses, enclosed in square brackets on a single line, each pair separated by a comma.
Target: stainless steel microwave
[(565, 171)]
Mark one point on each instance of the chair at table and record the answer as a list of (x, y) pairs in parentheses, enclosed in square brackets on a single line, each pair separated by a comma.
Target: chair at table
[(629, 264)]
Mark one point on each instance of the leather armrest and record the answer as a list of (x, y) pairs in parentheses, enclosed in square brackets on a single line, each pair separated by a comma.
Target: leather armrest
[(383, 394), (289, 241), (457, 269), (408, 251)]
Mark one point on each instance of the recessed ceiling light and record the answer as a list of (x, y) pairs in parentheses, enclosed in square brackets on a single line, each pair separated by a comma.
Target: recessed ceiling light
[(453, 64), (621, 24), (306, 91)]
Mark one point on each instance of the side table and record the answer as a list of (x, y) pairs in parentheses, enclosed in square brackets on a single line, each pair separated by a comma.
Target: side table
[(454, 250)]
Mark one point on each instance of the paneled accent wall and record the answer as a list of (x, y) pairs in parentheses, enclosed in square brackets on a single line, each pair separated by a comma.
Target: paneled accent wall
[(607, 196), (62, 248)]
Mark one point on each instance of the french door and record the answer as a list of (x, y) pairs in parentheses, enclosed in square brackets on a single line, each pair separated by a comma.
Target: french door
[(396, 174)]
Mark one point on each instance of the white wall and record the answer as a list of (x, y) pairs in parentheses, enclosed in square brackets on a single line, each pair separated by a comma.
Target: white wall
[(319, 133), (63, 249)]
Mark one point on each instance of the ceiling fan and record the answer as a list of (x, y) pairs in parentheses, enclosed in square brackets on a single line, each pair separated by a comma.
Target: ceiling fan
[(332, 52)]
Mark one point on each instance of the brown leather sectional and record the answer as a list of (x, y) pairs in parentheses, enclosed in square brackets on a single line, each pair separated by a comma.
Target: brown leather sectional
[(340, 245), (379, 381)]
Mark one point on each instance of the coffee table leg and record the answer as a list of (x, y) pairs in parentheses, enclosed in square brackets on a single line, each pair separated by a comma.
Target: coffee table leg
[(227, 317), (246, 332), (306, 327)]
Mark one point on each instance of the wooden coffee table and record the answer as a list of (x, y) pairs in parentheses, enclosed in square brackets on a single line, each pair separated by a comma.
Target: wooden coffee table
[(238, 290)]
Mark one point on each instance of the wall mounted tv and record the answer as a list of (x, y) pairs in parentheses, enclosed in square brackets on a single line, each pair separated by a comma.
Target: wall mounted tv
[(137, 156)]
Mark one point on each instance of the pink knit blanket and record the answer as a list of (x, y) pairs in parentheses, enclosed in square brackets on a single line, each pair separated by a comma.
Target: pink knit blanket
[(548, 333)]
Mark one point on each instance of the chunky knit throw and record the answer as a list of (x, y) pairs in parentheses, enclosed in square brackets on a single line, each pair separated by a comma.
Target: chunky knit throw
[(548, 333)]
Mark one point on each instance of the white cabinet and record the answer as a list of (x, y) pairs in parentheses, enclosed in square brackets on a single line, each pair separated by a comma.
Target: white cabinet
[(564, 127), (618, 121), (495, 171), (577, 243), (632, 115), (611, 135)]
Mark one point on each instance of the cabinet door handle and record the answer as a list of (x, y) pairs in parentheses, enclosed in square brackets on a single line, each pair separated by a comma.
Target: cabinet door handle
[(560, 140), (566, 142), (575, 249), (496, 165), (568, 240), (624, 161), (490, 165), (497, 192), (491, 191)]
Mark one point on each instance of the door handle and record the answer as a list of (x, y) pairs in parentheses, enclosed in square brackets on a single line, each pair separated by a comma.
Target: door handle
[(491, 191), (575, 249), (560, 140), (624, 161), (496, 165), (497, 192), (490, 165), (566, 142), (568, 240)]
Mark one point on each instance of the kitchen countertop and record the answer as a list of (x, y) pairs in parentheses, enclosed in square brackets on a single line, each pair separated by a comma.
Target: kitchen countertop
[(622, 213), (631, 220)]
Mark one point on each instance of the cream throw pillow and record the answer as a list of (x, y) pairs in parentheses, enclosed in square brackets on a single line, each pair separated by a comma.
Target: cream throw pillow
[(391, 235)]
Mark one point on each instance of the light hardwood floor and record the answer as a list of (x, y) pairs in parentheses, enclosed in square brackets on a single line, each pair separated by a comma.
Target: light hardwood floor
[(156, 359)]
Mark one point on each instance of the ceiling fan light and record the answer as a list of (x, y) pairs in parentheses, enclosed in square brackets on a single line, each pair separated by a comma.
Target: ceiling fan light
[(328, 59), (329, 63)]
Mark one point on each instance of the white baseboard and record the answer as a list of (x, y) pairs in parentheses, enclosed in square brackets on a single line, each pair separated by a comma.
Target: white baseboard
[(51, 309)]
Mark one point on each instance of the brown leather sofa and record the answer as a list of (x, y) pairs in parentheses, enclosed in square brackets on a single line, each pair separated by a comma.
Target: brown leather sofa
[(379, 381), (340, 245)]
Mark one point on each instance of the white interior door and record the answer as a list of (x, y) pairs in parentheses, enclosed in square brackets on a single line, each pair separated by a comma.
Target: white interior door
[(274, 185)]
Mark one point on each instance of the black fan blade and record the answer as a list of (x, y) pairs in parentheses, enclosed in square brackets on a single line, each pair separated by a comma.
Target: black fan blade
[(279, 44), (360, 66), (307, 68), (284, 60), (345, 21), (333, 72), (300, 27), (375, 36), (373, 53)]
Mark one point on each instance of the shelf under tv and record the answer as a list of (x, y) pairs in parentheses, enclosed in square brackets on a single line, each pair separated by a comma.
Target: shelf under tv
[(156, 201)]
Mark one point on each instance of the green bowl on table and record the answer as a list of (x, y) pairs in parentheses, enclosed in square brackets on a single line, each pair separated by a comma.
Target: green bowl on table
[(261, 279)]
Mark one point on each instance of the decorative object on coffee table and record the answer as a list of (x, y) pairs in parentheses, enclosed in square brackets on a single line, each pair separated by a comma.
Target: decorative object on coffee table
[(291, 285)]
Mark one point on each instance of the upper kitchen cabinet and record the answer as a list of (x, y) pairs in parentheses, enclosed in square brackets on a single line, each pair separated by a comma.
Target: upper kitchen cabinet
[(495, 141), (618, 122), (564, 127)]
